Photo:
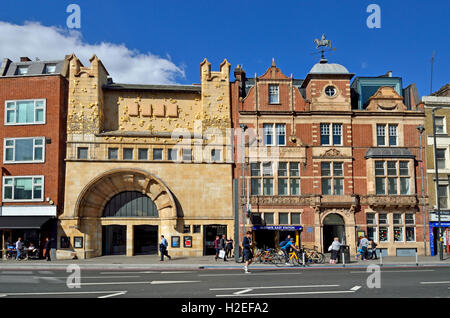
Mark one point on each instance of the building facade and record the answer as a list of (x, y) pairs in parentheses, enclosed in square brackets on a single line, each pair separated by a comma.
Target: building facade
[(33, 95), (329, 158), (441, 99), (141, 163)]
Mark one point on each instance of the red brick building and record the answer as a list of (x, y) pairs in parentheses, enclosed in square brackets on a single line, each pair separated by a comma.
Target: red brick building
[(344, 158), (33, 95)]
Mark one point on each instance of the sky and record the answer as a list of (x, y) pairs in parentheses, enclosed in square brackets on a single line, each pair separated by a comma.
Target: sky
[(165, 41)]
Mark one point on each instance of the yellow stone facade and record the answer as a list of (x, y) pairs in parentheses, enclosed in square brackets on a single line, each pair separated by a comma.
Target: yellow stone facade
[(103, 115)]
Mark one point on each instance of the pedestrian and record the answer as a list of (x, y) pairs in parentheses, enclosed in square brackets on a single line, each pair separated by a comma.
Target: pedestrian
[(373, 250), (216, 246), (335, 247), (247, 251), (19, 247), (163, 248), (222, 245), (47, 249), (229, 247), (364, 244)]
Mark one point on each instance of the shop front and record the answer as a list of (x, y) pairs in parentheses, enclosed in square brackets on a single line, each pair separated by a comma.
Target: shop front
[(435, 229), (266, 237)]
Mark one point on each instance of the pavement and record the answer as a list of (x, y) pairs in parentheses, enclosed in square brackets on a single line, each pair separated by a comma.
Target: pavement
[(149, 262)]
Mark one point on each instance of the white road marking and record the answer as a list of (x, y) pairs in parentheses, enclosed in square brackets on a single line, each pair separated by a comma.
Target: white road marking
[(275, 287), (445, 282), (17, 272), (156, 282), (178, 272), (293, 293), (3, 295), (99, 277), (355, 288), (243, 274), (399, 271), (60, 293), (135, 272), (113, 295), (243, 291), (160, 282)]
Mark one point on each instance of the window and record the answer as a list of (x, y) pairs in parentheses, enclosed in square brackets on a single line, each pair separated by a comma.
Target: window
[(395, 179), (113, 153), (398, 234), (410, 234), (255, 178), (22, 70), (325, 134), (283, 178), (382, 217), (280, 130), (267, 178), (187, 229), (82, 153), (50, 68), (274, 94), (397, 218), (295, 218), (24, 150), (370, 217), (172, 154), (25, 112), (23, 188), (215, 154), (443, 196), (381, 135), (409, 218), (187, 155), (332, 179), (383, 234), (372, 233), (440, 126), (142, 154), (440, 158), (197, 229), (127, 153), (294, 178), (330, 91), (157, 154), (268, 218), (287, 175), (283, 218)]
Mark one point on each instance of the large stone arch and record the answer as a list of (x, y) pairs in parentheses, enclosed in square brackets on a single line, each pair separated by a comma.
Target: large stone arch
[(101, 189)]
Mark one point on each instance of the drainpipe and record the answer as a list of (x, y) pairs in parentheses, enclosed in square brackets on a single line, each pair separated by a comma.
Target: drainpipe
[(421, 129)]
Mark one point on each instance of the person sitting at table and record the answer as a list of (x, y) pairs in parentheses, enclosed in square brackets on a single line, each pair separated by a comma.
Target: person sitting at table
[(10, 249)]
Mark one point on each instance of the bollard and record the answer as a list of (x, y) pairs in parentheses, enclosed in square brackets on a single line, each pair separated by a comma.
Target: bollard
[(381, 258), (303, 258), (417, 259), (343, 259)]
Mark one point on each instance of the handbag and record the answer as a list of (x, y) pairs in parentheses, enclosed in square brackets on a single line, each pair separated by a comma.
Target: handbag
[(329, 249), (221, 254)]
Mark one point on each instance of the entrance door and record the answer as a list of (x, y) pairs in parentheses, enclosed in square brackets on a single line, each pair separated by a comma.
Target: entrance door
[(114, 240), (145, 239), (333, 226), (209, 236), (265, 238)]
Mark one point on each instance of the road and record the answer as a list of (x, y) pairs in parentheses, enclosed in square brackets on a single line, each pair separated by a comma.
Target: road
[(225, 283)]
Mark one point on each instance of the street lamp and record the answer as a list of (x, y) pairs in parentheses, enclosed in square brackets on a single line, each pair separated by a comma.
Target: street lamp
[(441, 255), (243, 128), (421, 129)]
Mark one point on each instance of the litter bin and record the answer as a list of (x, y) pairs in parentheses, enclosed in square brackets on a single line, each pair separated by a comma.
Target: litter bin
[(346, 250)]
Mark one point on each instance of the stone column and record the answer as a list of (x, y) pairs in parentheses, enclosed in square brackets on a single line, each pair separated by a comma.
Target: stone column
[(130, 240)]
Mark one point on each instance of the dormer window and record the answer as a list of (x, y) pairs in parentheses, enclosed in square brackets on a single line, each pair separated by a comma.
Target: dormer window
[(50, 68), (22, 70), (330, 91), (273, 94)]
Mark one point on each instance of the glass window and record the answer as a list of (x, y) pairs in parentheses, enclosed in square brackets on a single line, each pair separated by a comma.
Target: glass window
[(283, 218), (295, 218), (282, 169), (215, 154), (398, 234), (337, 169), (186, 229), (392, 168), (268, 186), (440, 156), (326, 168), (410, 234), (283, 186), (443, 197), (326, 186), (255, 169), (23, 188), (187, 155), (409, 218), (338, 186), (330, 91), (397, 218), (157, 154), (392, 186), (294, 169), (337, 134), (256, 186), (383, 234), (381, 135), (379, 168), (82, 153), (197, 228), (404, 186), (324, 134), (392, 135), (172, 154), (25, 112), (268, 134), (382, 217), (372, 233), (143, 154), (370, 217), (113, 153), (439, 121), (24, 150), (268, 217), (273, 94), (295, 186), (127, 153), (267, 169), (22, 70), (281, 134), (380, 186), (50, 68), (404, 171)]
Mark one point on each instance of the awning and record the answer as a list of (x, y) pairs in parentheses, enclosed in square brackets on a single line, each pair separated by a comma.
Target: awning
[(22, 222), (278, 228)]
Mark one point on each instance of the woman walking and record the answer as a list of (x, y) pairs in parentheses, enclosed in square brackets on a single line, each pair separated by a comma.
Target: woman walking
[(334, 248)]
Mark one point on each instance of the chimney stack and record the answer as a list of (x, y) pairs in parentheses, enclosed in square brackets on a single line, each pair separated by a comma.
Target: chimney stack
[(25, 59)]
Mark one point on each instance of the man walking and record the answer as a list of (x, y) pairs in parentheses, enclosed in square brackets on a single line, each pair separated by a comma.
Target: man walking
[(47, 249), (364, 243), (247, 252), (19, 247), (163, 248)]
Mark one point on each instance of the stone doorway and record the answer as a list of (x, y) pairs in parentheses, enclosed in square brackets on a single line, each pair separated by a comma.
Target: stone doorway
[(333, 226)]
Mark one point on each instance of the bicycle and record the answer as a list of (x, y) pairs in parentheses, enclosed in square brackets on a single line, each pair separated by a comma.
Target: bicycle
[(295, 258), (312, 255)]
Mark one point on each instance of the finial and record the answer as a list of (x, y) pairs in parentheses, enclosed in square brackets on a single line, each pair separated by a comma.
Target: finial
[(273, 61)]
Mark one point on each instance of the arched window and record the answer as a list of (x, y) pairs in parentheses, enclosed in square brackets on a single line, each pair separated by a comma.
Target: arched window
[(130, 204)]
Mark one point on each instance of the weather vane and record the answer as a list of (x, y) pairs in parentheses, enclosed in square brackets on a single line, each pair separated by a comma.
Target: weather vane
[(322, 44)]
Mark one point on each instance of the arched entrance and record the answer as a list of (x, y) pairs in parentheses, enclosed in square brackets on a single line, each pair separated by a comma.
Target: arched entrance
[(333, 226)]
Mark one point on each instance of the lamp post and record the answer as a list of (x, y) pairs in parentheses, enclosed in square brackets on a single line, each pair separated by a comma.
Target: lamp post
[(421, 129), (441, 255), (243, 129)]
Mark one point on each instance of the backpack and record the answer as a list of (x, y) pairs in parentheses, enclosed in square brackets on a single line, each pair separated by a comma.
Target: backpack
[(283, 243)]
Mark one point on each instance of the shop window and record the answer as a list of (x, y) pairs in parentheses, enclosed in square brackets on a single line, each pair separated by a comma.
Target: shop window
[(383, 234), (410, 234), (372, 233), (398, 234)]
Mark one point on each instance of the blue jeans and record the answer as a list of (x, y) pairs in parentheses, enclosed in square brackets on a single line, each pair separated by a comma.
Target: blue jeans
[(19, 252)]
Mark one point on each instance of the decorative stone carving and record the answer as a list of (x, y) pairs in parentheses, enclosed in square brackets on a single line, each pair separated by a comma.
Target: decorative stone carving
[(389, 201), (332, 153), (386, 99)]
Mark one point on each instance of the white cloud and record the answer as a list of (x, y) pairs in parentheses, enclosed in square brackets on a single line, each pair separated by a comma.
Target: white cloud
[(52, 43)]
